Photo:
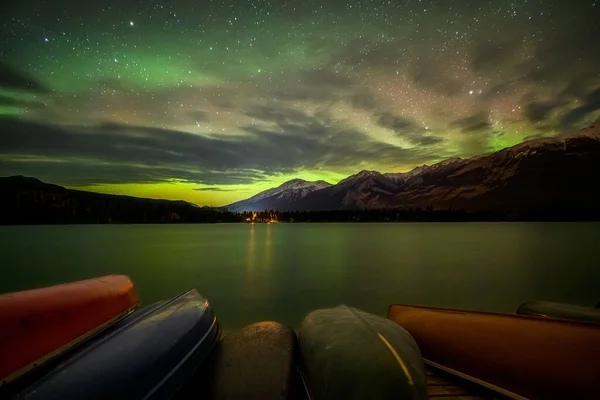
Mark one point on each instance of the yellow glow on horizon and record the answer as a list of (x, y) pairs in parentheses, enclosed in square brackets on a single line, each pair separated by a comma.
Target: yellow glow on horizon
[(217, 195)]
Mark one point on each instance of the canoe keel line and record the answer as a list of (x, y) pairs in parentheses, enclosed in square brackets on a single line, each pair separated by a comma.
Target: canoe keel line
[(90, 340), (396, 357)]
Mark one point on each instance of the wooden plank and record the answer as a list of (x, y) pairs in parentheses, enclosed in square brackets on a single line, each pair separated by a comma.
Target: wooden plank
[(446, 391), (438, 380), (457, 390), (449, 398), (461, 398), (447, 387), (472, 398)]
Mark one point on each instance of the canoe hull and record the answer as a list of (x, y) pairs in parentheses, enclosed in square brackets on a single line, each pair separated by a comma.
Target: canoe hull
[(525, 356), (41, 323), (351, 354), (259, 361), (150, 354)]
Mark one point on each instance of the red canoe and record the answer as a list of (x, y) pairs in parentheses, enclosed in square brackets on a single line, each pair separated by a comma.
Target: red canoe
[(41, 323), (519, 356)]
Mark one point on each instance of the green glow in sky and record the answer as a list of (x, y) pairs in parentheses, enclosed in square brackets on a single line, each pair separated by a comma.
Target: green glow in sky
[(214, 101)]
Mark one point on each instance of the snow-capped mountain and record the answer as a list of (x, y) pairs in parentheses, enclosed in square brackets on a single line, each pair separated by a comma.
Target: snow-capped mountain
[(545, 173), (551, 173), (366, 189), (445, 166), (280, 197)]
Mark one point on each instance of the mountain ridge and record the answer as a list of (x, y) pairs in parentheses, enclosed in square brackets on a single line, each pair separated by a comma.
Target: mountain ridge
[(511, 179), (27, 200), (287, 192)]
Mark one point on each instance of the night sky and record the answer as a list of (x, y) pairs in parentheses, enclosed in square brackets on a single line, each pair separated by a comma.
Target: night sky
[(213, 101)]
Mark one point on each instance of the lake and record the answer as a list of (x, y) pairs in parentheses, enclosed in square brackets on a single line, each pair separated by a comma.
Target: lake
[(252, 272)]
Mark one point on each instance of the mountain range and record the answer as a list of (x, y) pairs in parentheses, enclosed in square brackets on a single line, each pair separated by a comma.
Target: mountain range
[(550, 178), (25, 200), (542, 174)]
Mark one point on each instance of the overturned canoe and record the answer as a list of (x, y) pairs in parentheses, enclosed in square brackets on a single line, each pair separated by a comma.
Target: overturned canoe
[(350, 354), (518, 356), (258, 361), (549, 309), (148, 355), (41, 323)]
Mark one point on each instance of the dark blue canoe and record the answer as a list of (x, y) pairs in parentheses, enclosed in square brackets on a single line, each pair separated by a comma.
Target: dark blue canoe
[(148, 355)]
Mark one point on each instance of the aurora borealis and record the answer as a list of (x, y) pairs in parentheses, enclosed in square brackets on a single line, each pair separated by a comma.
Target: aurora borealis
[(213, 101)]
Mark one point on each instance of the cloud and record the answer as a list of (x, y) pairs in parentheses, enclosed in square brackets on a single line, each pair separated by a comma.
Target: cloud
[(395, 123), (13, 78), (320, 85), (427, 140), (198, 116), (579, 87), (558, 112), (407, 129), (325, 77), (276, 112), (540, 111), (364, 100), (428, 72), (569, 53), (482, 143), (112, 153), (500, 89), (490, 57), (575, 116), (536, 136), (20, 103), (83, 172), (119, 85), (474, 123), (550, 63), (214, 189), (365, 53)]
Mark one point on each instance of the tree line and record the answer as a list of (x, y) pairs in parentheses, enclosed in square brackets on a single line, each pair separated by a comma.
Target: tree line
[(428, 214), (380, 215)]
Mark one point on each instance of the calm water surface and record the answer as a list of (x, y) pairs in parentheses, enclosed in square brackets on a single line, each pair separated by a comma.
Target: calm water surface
[(282, 271)]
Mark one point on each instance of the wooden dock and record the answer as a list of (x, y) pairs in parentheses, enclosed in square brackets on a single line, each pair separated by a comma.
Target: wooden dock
[(443, 386)]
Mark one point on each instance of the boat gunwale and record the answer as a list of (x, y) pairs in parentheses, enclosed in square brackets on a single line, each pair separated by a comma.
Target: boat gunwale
[(538, 318)]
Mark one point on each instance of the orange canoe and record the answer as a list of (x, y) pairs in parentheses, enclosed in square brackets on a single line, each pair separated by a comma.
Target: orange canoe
[(41, 323), (518, 356)]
